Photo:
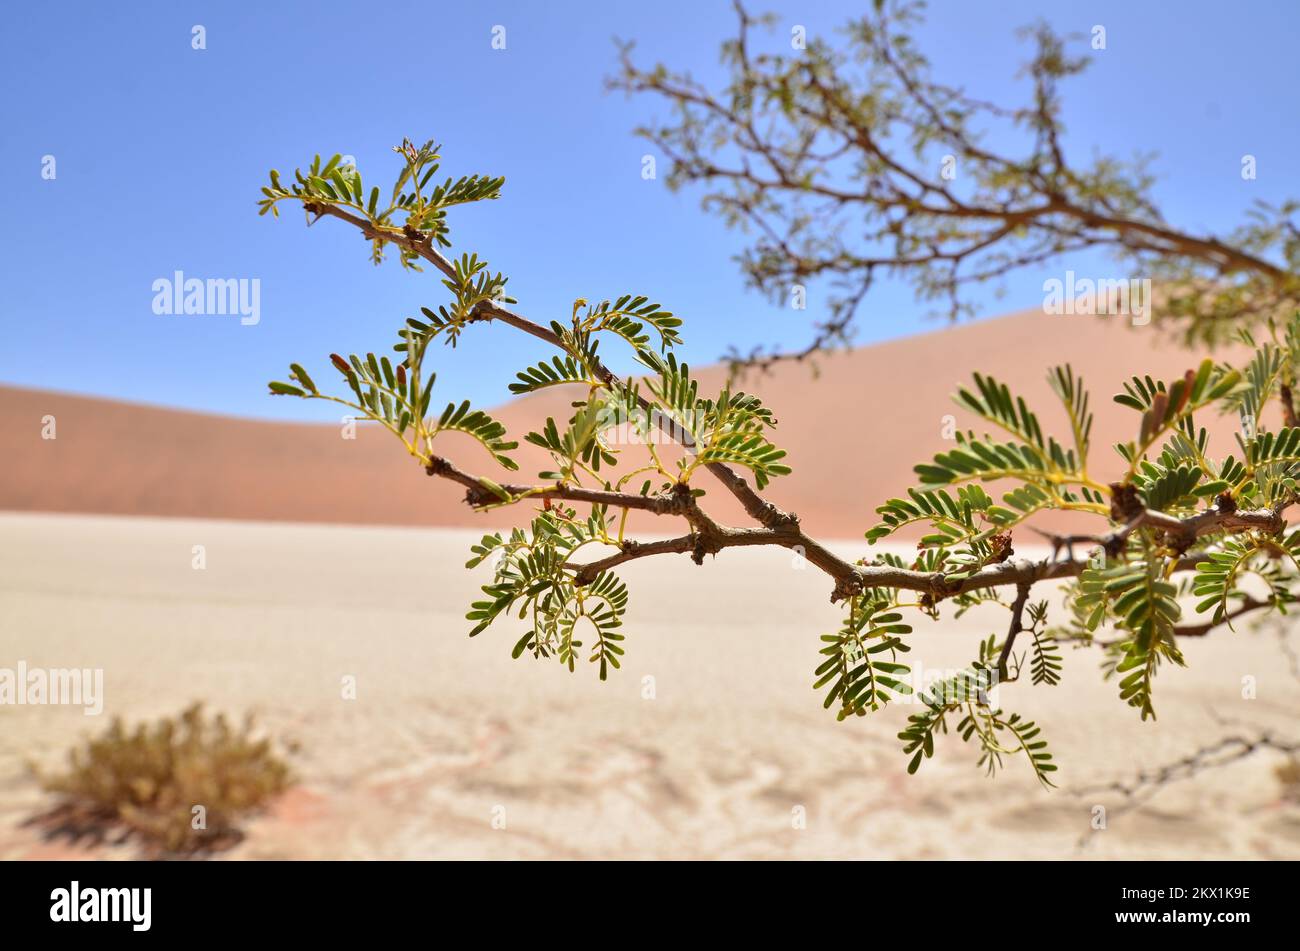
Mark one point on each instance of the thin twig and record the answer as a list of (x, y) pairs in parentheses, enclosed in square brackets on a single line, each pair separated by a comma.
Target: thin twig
[(1017, 625)]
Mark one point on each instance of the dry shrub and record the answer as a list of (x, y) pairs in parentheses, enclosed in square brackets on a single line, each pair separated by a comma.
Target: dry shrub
[(1288, 774), (146, 783)]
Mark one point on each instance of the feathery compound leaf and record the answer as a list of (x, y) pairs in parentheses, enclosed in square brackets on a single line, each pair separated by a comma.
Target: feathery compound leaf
[(558, 371), (1217, 577), (1261, 378), (1027, 735), (746, 449), (954, 519), (1273, 448), (481, 427), (532, 575), (1045, 663), (1144, 604), (984, 460), (966, 688), (995, 403), (860, 664), (728, 430), (1162, 407), (420, 209), (628, 317), (1144, 601), (1075, 399), (1166, 489), (580, 443), (603, 605), (968, 694)]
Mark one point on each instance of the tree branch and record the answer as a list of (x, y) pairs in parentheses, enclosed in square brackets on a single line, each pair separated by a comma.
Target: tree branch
[(1221, 753), (759, 509), (778, 528), (479, 495), (1246, 607)]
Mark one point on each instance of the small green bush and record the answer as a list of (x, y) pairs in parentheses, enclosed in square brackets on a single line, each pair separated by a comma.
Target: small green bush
[(147, 782)]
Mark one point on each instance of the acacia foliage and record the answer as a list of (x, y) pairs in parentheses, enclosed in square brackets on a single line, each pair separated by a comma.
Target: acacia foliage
[(1179, 528)]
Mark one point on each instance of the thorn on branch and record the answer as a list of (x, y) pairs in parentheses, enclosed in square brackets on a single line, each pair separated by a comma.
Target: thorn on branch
[(1113, 544), (940, 588), (312, 208), (1125, 504), (704, 545), (1000, 546), (846, 588), (482, 311), (478, 497), (416, 236)]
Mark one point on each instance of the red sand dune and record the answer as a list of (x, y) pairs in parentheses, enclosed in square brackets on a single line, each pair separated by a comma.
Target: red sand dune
[(853, 434)]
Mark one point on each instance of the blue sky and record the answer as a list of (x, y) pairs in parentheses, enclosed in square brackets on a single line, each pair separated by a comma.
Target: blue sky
[(161, 149)]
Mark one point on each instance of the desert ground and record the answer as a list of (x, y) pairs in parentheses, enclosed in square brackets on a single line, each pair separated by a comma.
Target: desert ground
[(453, 750)]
